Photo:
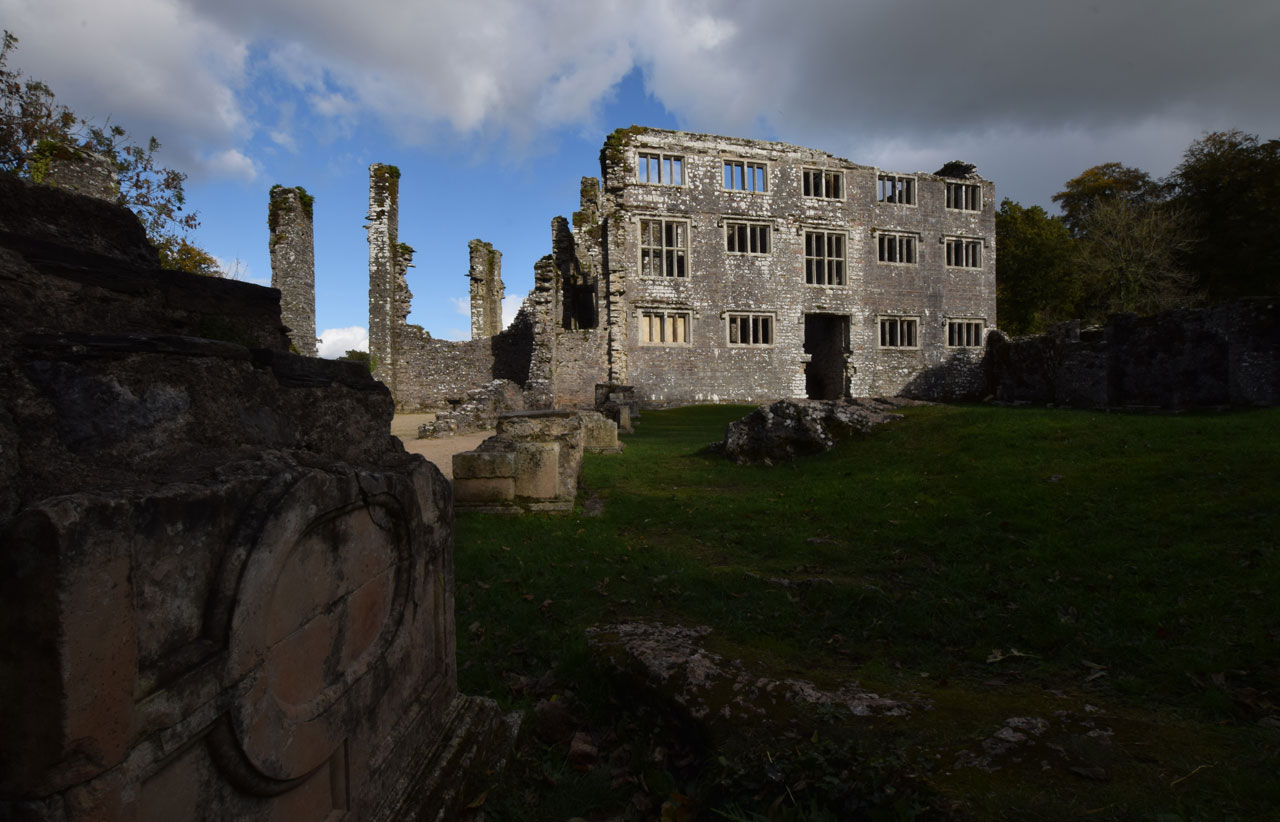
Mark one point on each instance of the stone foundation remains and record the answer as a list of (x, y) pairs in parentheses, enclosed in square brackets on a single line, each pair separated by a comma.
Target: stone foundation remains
[(532, 463), (227, 589), (788, 429)]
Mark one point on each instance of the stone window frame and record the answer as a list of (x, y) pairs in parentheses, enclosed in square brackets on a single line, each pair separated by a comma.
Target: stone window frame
[(669, 257), (818, 183), (730, 180), (907, 245), (898, 332), (968, 195), (902, 186), (752, 231), (821, 266), (968, 251), (970, 331), (674, 323), (761, 325), (659, 162)]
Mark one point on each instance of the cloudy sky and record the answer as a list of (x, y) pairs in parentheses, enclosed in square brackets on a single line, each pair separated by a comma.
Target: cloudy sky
[(494, 109)]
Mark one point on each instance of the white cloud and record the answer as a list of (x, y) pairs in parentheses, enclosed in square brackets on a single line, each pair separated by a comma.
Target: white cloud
[(334, 342), (927, 74), (461, 305), (152, 66), (232, 163), (510, 307)]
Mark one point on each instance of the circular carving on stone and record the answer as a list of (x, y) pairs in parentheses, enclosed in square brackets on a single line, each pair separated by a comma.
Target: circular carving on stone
[(320, 597)]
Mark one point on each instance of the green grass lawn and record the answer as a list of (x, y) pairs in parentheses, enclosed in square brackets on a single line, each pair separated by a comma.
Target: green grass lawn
[(1116, 575)]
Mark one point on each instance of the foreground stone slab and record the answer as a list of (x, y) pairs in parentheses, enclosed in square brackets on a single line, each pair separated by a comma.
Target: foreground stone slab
[(671, 662), (227, 590)]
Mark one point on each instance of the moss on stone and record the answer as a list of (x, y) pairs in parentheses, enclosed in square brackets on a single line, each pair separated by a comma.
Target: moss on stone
[(614, 151), (45, 152), (386, 171)]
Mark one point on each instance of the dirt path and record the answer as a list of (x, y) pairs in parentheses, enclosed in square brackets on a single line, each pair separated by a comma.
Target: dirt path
[(438, 451)]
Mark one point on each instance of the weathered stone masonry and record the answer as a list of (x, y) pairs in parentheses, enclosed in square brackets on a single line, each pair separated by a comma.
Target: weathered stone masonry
[(486, 290), (293, 264), (227, 589), (744, 271), (423, 372)]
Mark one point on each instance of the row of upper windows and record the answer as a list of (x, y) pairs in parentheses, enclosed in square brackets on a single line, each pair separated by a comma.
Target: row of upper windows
[(667, 327), (664, 249), (750, 176)]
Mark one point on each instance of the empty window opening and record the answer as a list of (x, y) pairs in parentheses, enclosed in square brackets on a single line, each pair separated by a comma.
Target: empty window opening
[(896, 248), (895, 188), (964, 253), (660, 169), (664, 248), (746, 238), (750, 329), (899, 332), (664, 327), (824, 258), (965, 333), (964, 196), (578, 305), (819, 183), (826, 341), (739, 175)]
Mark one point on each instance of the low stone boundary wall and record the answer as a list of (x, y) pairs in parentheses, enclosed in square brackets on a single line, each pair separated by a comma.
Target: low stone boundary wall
[(1222, 355)]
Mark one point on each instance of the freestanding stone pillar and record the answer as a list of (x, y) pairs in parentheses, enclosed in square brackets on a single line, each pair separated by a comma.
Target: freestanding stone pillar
[(293, 264), (486, 289)]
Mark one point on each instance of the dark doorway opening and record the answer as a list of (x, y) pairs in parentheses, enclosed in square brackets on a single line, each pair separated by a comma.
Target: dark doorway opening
[(826, 340)]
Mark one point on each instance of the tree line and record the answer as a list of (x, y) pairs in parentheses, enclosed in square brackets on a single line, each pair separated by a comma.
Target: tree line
[(36, 129), (1125, 242)]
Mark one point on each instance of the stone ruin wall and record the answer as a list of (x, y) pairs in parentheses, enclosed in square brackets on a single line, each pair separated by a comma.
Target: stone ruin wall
[(426, 373), (227, 588), (383, 228), (83, 172), (1227, 354), (293, 265)]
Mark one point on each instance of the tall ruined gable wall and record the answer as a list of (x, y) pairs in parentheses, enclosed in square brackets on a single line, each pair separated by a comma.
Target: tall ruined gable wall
[(708, 368), (293, 264)]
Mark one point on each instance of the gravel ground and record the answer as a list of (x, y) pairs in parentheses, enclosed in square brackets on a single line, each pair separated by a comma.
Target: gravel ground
[(438, 451)]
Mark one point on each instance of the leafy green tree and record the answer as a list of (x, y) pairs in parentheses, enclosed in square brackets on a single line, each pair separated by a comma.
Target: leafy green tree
[(33, 124), (1036, 282), (1109, 181), (176, 254), (1228, 184)]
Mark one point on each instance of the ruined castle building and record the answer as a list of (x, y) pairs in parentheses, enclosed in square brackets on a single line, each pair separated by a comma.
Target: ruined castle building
[(743, 271), (486, 290), (293, 264), (716, 270)]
